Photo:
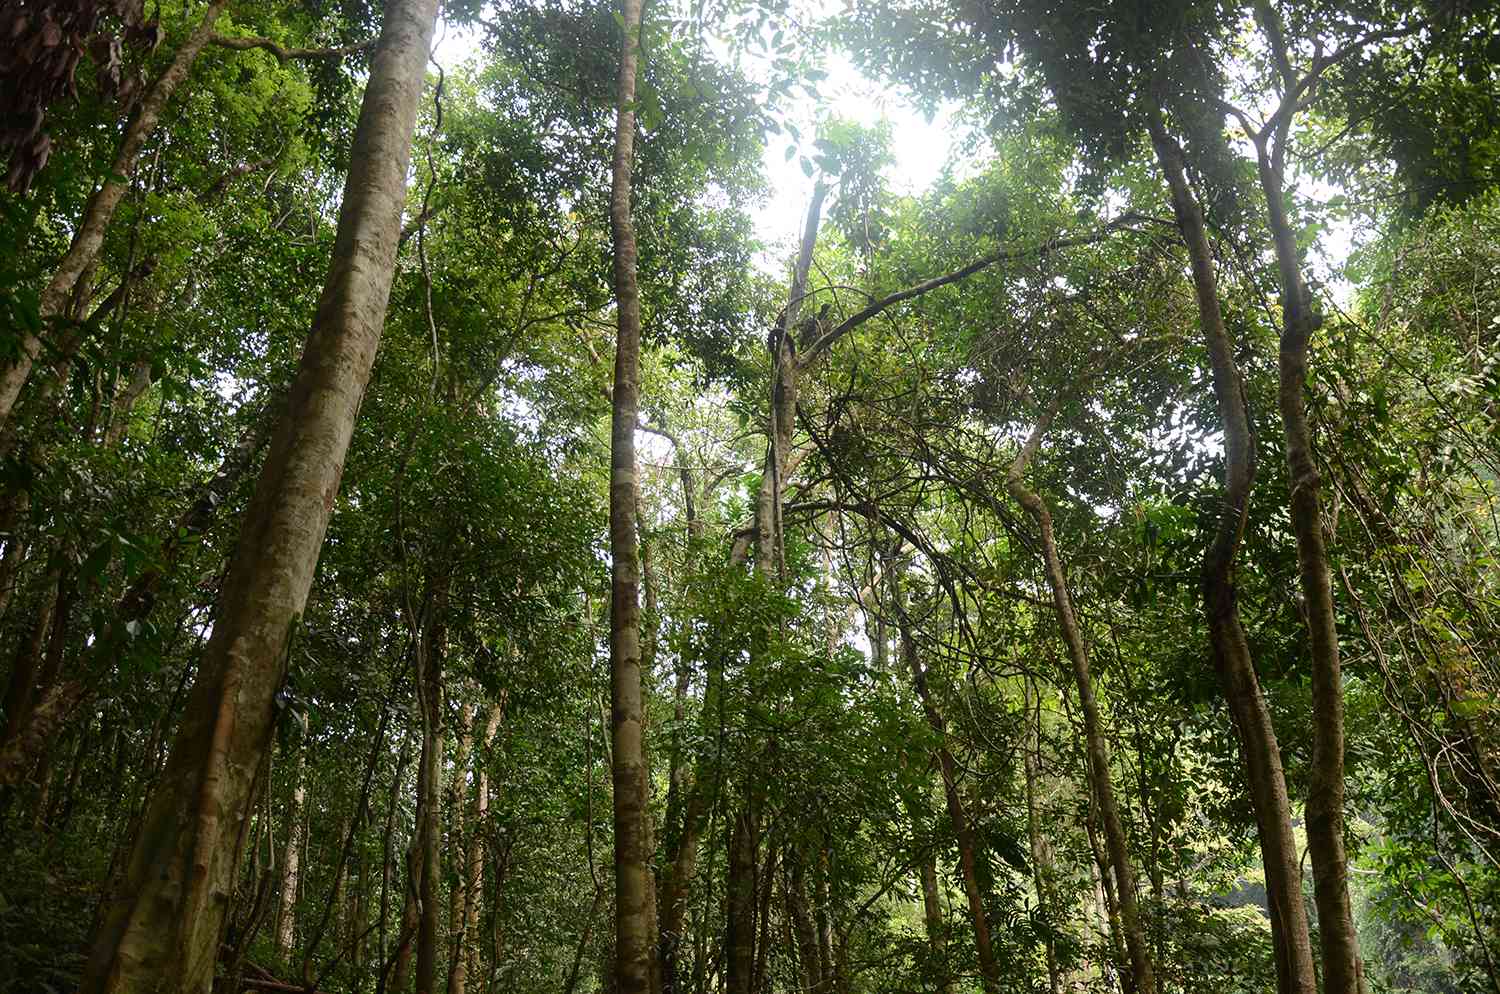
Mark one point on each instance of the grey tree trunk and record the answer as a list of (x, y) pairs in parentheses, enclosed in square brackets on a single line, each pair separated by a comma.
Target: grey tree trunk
[(635, 896), (163, 929), (286, 917)]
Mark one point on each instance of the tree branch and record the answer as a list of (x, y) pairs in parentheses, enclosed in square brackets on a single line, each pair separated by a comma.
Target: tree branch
[(826, 340), (285, 54)]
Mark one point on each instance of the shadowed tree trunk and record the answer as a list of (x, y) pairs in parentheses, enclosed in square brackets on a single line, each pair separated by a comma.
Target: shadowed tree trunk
[(286, 919), (963, 832), (1100, 779), (1042, 865), (635, 898), (932, 905), (431, 656), (465, 963), (1231, 651), (1343, 972), (164, 928), (739, 936)]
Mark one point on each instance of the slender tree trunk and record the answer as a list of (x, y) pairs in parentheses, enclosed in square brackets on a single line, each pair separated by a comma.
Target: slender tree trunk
[(823, 918), (968, 844), (802, 926), (1231, 651), (739, 936), (1100, 778), (457, 849), (1042, 867), (431, 656), (465, 962), (164, 930), (1109, 908), (100, 209), (286, 919), (635, 898), (764, 883), (1343, 972), (932, 905)]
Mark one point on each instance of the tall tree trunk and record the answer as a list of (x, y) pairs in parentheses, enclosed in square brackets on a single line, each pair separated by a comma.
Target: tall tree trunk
[(100, 209), (1343, 972), (465, 963), (764, 882), (1109, 907), (739, 936), (431, 656), (802, 925), (286, 919), (164, 929), (963, 832), (932, 905), (635, 898), (1231, 651), (1042, 866), (1100, 778), (457, 849), (823, 918)]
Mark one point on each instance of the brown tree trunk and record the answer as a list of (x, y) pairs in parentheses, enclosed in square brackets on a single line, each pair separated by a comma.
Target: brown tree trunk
[(1100, 778), (1042, 865), (465, 963), (802, 926), (739, 936), (1343, 972), (1231, 651), (163, 932), (100, 209), (932, 905), (431, 653), (635, 898), (764, 882), (968, 844), (1108, 905)]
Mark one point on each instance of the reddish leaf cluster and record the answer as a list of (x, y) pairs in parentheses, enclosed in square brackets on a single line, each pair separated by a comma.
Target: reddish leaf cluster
[(41, 45)]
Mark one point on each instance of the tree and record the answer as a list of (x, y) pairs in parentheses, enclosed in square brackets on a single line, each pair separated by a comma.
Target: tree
[(166, 926)]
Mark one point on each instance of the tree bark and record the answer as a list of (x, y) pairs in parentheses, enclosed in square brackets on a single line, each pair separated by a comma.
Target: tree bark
[(739, 936), (286, 918), (1231, 651), (1100, 778), (968, 844), (635, 898), (932, 905), (1343, 972), (164, 930), (802, 926), (431, 656), (100, 209), (465, 962), (1042, 867)]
